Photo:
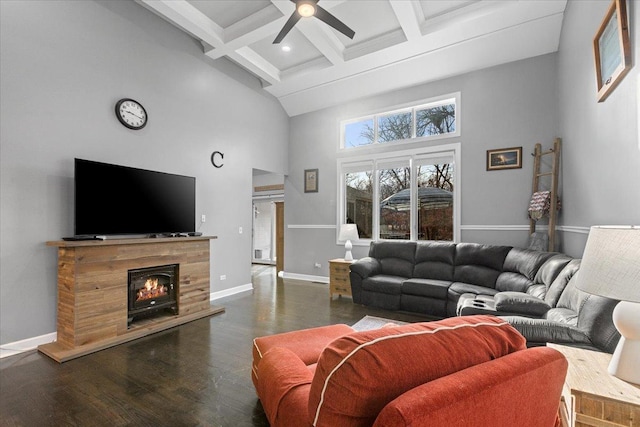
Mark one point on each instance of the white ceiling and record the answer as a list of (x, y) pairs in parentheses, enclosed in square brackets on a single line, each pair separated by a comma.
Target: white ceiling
[(398, 43)]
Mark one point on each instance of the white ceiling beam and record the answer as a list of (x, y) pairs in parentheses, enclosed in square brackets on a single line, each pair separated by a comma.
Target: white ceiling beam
[(255, 63), (194, 22), (511, 44), (187, 17), (410, 16)]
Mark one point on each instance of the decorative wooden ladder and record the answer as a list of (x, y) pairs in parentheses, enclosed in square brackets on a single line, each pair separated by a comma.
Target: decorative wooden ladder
[(553, 173)]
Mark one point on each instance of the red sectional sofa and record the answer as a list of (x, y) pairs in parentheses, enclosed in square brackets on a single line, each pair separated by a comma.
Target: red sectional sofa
[(464, 371)]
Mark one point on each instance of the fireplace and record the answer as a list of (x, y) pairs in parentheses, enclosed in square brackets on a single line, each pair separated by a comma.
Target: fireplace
[(153, 290)]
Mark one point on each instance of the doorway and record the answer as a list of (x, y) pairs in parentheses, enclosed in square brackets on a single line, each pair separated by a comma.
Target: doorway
[(267, 237), (264, 232)]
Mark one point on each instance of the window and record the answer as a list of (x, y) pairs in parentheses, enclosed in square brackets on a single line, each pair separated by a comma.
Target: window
[(434, 118), (359, 201), (436, 186), (407, 195)]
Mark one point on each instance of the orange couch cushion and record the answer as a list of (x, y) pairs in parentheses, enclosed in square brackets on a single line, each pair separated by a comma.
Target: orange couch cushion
[(307, 344), (284, 387), (486, 394), (358, 374)]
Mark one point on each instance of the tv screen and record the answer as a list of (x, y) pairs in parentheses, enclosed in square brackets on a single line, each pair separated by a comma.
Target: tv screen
[(119, 200)]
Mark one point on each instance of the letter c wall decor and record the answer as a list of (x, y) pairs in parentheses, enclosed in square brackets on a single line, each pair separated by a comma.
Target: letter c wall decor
[(215, 161)]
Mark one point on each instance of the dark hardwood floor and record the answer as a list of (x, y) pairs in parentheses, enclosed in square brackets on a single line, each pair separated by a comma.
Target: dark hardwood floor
[(196, 374)]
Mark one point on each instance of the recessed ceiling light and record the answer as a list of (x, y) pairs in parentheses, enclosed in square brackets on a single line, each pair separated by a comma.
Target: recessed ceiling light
[(286, 48)]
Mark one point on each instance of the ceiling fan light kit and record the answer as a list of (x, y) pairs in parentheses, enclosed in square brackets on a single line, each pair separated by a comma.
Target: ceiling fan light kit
[(306, 9)]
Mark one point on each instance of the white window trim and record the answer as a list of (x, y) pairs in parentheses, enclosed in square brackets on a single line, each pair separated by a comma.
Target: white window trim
[(413, 106), (373, 160)]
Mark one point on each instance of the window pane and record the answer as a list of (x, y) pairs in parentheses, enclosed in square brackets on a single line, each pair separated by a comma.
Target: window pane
[(436, 120), (395, 204), (394, 127), (435, 202), (358, 133), (359, 202)]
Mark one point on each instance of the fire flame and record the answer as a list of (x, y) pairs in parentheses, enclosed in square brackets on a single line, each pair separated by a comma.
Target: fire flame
[(151, 290)]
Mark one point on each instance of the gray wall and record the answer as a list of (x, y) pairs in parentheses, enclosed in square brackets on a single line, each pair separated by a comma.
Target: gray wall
[(506, 106), (601, 158), (64, 65), (516, 104)]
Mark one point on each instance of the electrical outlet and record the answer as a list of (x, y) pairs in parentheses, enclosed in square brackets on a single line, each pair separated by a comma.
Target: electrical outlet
[(239, 230), (204, 218), (317, 265), (223, 277)]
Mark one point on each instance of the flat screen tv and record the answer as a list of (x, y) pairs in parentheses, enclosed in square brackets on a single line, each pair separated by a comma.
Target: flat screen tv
[(120, 200)]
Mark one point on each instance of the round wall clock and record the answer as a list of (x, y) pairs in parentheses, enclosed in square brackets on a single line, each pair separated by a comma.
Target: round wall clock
[(131, 113)]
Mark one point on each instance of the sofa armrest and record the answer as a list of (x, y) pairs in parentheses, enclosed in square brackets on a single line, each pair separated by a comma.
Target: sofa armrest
[(360, 270), (540, 331), (283, 383), (366, 267), (519, 302), (497, 393)]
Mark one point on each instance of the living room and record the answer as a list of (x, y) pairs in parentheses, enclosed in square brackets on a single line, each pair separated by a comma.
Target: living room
[(65, 64)]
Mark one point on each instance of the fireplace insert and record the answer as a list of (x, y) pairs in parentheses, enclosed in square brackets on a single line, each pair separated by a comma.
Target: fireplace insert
[(153, 290)]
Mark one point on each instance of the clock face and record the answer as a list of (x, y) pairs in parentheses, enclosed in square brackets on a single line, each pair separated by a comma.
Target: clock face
[(131, 113)]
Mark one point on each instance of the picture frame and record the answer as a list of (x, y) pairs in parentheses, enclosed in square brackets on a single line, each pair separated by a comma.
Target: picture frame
[(311, 180), (504, 158), (612, 49)]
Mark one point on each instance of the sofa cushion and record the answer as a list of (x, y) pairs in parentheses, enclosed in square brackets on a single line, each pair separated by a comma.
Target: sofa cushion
[(357, 375), (284, 387), (518, 302), (560, 282), (396, 258), (384, 284), (479, 264), (514, 282), (315, 339), (551, 269), (525, 261), (458, 288), (562, 315), (434, 260), (426, 288), (480, 395)]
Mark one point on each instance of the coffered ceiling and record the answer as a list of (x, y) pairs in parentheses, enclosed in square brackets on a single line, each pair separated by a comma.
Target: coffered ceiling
[(397, 43)]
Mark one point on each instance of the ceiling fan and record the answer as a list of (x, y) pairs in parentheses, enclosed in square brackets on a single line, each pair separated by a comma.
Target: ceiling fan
[(307, 8)]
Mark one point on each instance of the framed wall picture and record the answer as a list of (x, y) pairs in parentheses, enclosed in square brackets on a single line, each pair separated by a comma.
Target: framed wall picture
[(311, 180), (504, 158), (612, 49)]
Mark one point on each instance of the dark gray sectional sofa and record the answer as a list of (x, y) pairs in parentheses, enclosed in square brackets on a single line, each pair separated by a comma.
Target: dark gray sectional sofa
[(533, 290)]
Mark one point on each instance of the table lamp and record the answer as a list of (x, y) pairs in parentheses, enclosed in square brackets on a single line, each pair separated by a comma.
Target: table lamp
[(611, 268), (348, 232)]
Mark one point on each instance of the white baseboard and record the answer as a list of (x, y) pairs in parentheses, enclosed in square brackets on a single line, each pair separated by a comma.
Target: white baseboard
[(18, 347), (305, 277), (231, 291)]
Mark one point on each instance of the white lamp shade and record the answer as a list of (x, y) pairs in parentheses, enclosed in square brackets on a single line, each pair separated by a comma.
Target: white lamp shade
[(610, 265), (348, 232), (611, 268)]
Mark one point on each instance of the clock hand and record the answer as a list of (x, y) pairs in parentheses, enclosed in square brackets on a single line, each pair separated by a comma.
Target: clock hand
[(133, 114)]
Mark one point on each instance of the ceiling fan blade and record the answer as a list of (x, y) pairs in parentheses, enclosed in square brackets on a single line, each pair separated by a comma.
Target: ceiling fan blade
[(295, 17), (331, 20)]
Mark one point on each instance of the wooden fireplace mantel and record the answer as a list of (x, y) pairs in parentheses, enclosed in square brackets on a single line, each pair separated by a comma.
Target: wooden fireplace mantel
[(93, 290)]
